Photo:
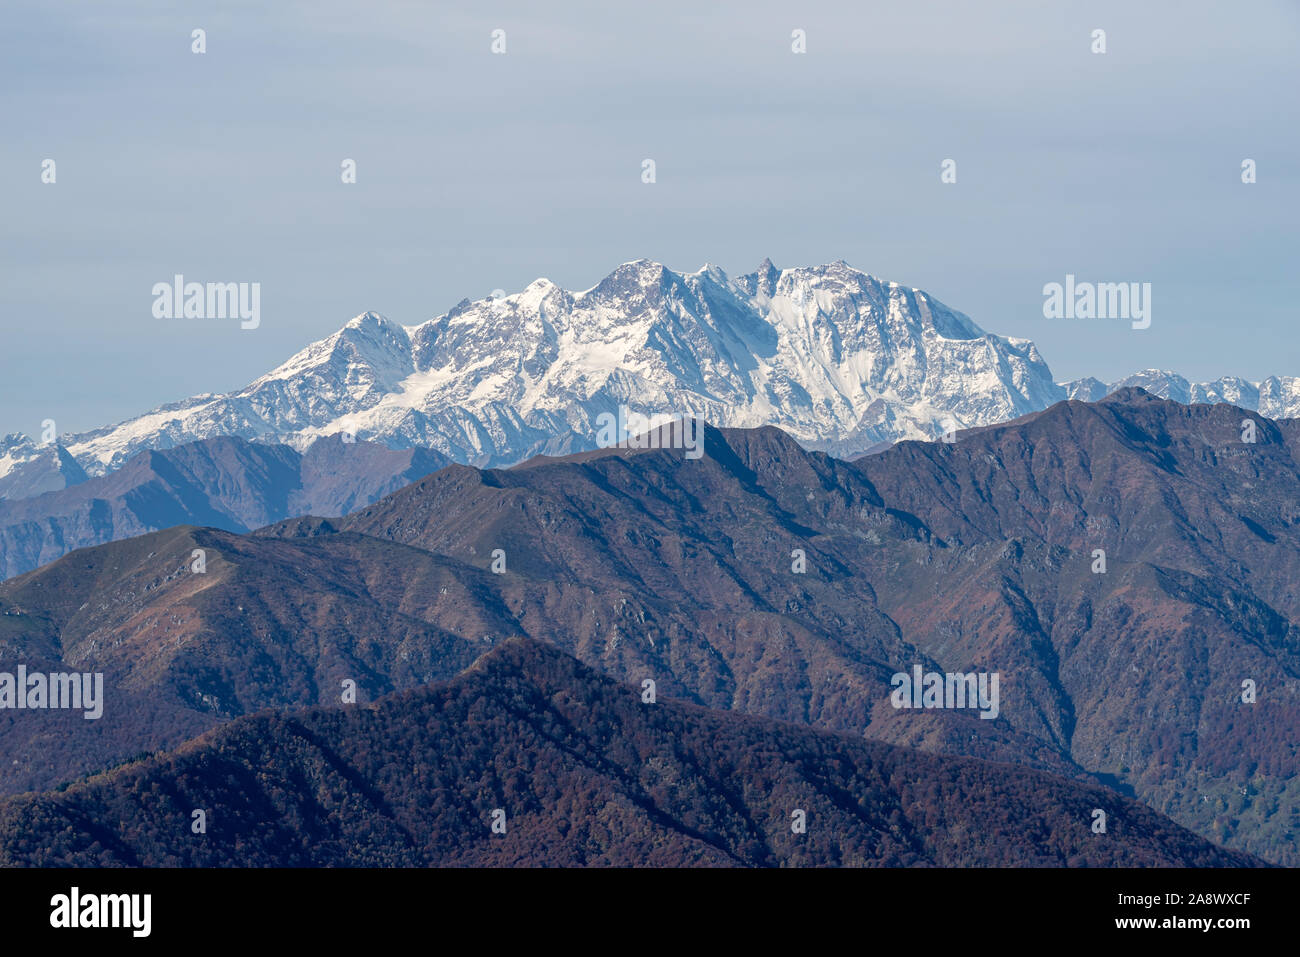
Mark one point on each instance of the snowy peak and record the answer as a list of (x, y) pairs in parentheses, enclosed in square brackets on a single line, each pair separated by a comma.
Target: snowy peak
[(841, 360), (369, 340), (1277, 397), (28, 469), (762, 280)]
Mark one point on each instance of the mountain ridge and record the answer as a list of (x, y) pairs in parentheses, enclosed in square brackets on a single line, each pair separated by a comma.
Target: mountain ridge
[(222, 482), (839, 358), (529, 758), (768, 579), (844, 361)]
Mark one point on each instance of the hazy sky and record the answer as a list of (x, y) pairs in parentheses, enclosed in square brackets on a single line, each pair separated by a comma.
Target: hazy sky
[(478, 171)]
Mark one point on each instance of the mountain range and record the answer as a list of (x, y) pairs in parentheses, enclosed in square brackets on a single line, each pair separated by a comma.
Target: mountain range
[(529, 758), (226, 483), (844, 362), (1277, 397), (764, 579)]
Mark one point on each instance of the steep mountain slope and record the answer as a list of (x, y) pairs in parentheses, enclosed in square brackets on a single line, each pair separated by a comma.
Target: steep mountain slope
[(281, 618), (1137, 671), (971, 556), (839, 359), (223, 482), (980, 553), (583, 773), (28, 469), (266, 624)]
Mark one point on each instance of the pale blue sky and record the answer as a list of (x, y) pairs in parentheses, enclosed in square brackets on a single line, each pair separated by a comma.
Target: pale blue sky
[(478, 171)]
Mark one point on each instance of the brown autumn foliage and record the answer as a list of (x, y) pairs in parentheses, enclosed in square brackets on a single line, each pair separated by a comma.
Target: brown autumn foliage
[(971, 556), (587, 775)]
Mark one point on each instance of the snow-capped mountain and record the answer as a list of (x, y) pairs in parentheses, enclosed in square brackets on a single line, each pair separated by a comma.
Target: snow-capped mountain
[(839, 359), (1277, 397), (28, 469)]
